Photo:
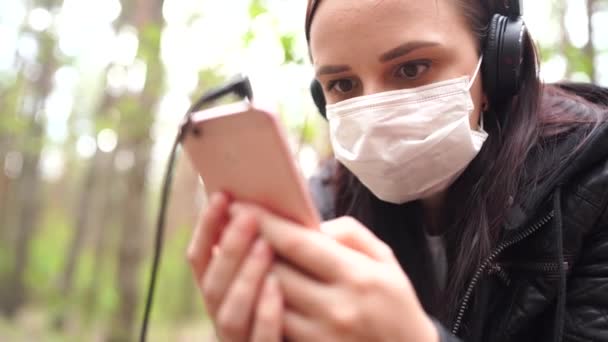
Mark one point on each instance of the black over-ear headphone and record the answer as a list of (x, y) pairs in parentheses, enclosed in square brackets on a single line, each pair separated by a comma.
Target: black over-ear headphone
[(502, 59)]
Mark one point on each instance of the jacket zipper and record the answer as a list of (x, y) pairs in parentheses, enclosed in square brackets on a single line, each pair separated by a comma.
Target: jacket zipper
[(480, 270), (498, 270), (547, 267)]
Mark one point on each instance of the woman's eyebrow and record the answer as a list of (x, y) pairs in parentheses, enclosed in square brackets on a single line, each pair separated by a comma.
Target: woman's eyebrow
[(332, 69), (397, 52), (405, 49)]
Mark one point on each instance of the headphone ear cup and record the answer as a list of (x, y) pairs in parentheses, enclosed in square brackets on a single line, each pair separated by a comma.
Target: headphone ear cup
[(503, 57), (490, 58), (511, 55), (316, 91)]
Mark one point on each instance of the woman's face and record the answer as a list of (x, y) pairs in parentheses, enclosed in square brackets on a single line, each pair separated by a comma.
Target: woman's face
[(365, 47)]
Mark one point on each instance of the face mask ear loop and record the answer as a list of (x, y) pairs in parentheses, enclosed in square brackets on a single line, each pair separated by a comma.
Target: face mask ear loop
[(475, 74)]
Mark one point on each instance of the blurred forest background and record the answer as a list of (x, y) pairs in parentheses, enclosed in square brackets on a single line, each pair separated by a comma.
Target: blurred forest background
[(91, 93)]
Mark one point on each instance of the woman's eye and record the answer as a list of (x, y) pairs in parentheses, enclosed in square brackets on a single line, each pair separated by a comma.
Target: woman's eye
[(412, 71), (342, 86)]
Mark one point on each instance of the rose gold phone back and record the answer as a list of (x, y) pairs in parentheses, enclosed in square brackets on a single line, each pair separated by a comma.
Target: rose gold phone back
[(246, 155)]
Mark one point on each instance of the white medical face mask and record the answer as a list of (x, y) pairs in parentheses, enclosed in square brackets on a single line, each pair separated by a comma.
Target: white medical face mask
[(407, 144)]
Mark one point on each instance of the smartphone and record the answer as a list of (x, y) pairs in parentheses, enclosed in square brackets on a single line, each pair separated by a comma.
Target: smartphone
[(242, 150)]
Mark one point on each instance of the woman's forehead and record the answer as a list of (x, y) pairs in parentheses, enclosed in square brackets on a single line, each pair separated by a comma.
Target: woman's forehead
[(343, 27), (360, 12)]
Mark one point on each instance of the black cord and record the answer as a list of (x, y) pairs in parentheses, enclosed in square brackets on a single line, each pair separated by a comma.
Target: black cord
[(242, 88), (158, 243)]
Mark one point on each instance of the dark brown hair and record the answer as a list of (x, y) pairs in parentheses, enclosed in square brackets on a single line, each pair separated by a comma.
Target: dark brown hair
[(476, 204)]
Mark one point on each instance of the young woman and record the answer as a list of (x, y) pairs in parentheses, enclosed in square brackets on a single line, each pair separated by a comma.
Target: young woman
[(471, 198)]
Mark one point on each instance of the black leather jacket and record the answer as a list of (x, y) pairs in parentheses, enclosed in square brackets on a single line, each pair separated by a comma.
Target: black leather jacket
[(547, 279)]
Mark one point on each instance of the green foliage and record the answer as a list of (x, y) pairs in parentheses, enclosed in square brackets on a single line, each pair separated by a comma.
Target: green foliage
[(134, 122), (6, 259), (47, 249), (308, 130), (104, 121), (257, 7), (12, 124), (288, 43), (177, 297), (149, 43), (248, 37), (105, 301), (32, 142), (48, 252), (46, 260), (208, 79), (149, 51), (546, 52), (579, 61)]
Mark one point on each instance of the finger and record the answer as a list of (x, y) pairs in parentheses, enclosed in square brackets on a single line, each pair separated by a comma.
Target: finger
[(234, 245), (300, 293), (207, 233), (236, 310), (297, 327), (308, 249), (352, 234), (268, 324)]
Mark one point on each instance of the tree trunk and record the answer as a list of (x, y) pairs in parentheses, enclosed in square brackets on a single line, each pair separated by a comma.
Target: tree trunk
[(10, 130), (30, 186), (93, 212), (104, 211), (135, 136), (5, 191), (28, 218), (564, 43), (80, 228), (589, 48), (83, 214), (85, 211), (130, 248)]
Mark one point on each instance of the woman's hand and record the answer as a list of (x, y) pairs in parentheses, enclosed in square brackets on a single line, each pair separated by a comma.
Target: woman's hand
[(231, 265), (341, 284)]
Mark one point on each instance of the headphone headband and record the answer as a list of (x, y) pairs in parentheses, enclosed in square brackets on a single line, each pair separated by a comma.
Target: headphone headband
[(511, 8)]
